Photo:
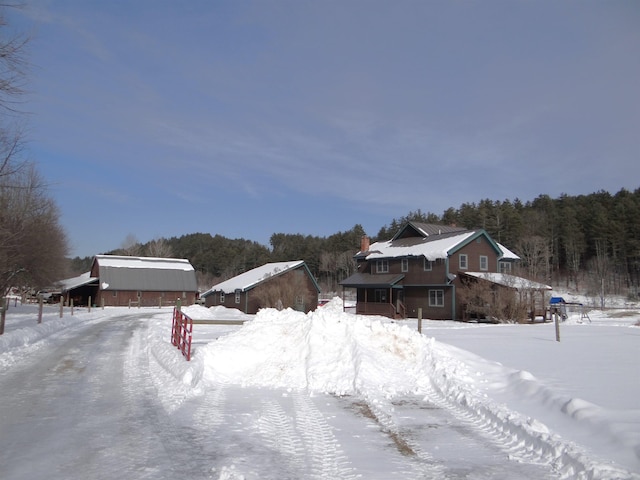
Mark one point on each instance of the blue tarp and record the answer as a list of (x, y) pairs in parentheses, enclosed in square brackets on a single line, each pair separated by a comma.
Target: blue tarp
[(556, 300)]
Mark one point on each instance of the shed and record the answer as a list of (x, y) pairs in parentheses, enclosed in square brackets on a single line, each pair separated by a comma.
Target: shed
[(279, 285)]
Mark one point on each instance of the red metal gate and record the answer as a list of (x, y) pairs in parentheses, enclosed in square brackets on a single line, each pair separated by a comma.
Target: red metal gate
[(181, 332)]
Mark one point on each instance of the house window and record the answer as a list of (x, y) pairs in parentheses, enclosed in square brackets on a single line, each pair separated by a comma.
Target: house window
[(221, 297), (405, 265), (237, 296), (380, 295), (428, 265), (463, 261), (505, 267), (382, 266), (484, 262), (436, 298)]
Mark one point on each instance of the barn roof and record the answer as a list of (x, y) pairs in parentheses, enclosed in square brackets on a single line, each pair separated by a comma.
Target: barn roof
[(251, 278), (145, 273), (75, 282)]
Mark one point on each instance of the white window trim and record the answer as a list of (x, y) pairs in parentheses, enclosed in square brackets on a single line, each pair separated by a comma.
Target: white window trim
[(436, 303), (221, 297), (382, 266), (404, 265), (427, 265), (484, 259), (238, 296), (463, 261)]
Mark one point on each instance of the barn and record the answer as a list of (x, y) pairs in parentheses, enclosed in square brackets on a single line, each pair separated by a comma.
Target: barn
[(123, 280)]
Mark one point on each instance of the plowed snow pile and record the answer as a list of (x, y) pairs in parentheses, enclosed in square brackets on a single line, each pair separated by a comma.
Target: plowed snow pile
[(325, 350)]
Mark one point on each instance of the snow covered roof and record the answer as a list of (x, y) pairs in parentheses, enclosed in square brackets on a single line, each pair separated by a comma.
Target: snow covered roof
[(247, 280), (121, 261), (511, 281), (433, 242), (75, 282), (146, 274), (432, 247), (506, 253)]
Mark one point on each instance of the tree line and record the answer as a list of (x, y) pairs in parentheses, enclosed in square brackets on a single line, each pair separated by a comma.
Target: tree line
[(587, 242)]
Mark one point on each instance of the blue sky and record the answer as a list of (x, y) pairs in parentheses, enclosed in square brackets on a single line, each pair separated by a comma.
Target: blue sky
[(159, 118)]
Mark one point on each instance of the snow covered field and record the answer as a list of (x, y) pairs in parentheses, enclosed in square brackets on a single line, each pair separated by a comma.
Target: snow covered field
[(333, 395)]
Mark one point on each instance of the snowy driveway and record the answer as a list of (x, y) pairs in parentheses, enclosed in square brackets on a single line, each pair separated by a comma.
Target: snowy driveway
[(86, 405)]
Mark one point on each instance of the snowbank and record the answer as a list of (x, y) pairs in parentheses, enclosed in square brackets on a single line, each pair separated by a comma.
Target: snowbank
[(343, 354)]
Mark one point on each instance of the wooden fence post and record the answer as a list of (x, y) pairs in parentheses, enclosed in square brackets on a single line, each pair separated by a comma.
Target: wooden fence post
[(419, 319), (3, 315), (89, 303), (40, 305), (557, 326), (61, 307)]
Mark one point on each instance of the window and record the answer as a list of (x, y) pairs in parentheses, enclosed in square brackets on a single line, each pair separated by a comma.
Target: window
[(237, 296), (463, 261), (505, 267), (484, 262), (428, 265), (221, 297), (381, 295), (382, 266), (436, 298), (405, 265)]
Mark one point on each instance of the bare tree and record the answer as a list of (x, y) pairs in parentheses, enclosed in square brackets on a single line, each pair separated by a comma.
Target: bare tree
[(130, 246), (535, 253), (32, 243), (285, 291), (159, 248)]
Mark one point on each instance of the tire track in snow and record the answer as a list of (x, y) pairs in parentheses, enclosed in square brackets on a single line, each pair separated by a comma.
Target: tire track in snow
[(523, 439), (324, 454), (303, 438), (279, 432)]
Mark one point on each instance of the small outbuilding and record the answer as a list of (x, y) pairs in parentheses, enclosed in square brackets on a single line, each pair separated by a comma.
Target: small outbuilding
[(278, 285)]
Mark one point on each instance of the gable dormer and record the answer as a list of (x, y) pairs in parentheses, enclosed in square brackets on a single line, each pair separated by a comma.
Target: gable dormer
[(424, 230)]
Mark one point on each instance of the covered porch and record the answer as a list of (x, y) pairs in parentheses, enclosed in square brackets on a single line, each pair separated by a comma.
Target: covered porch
[(380, 294)]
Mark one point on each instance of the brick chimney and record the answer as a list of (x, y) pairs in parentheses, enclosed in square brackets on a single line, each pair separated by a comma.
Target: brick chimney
[(364, 243)]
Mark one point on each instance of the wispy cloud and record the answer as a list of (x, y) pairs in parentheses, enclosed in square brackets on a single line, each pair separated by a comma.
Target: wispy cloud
[(375, 107)]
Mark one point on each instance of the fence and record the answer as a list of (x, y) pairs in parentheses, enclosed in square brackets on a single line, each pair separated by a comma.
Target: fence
[(182, 332)]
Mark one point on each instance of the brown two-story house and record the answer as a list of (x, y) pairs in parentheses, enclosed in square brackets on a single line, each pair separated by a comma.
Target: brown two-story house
[(421, 267)]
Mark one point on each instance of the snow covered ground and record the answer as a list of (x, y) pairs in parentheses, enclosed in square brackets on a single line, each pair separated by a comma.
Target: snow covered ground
[(334, 395)]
